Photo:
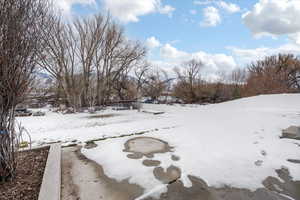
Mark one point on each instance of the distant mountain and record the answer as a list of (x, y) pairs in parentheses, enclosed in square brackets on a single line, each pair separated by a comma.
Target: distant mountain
[(43, 75), (43, 80)]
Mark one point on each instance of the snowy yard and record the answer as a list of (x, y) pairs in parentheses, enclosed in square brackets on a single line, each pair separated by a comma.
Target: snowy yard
[(233, 144)]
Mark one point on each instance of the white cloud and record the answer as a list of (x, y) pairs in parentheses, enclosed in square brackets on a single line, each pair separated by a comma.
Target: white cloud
[(170, 52), (211, 16), (131, 10), (193, 12), (216, 63), (207, 2), (273, 17), (229, 7), (65, 6), (167, 9), (165, 65), (152, 43), (213, 63), (174, 41), (295, 38), (246, 56)]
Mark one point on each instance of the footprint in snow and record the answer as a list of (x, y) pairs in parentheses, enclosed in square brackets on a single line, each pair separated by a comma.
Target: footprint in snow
[(263, 152), (258, 163)]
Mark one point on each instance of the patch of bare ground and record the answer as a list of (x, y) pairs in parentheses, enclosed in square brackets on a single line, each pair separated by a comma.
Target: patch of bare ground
[(102, 116), (29, 175)]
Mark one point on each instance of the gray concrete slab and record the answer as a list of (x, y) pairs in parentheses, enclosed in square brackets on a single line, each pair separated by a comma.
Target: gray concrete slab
[(154, 112), (83, 179), (51, 185)]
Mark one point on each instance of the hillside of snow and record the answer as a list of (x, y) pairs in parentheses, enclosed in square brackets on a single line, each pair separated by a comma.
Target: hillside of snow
[(220, 143)]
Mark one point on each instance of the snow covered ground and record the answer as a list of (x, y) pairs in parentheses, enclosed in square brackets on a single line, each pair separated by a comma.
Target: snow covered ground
[(234, 143), (84, 126)]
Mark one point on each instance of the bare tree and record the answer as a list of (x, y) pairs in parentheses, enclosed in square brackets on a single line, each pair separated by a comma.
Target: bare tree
[(238, 76), (131, 54), (274, 74), (157, 82), (59, 59), (188, 80), (91, 33), (21, 22), (140, 74), (236, 84), (90, 59), (113, 40)]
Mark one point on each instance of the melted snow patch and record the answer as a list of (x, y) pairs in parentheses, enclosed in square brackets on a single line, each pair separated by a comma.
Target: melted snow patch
[(146, 145)]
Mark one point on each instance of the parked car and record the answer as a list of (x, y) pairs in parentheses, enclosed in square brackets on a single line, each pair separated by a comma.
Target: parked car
[(22, 112), (152, 101), (148, 101), (38, 113)]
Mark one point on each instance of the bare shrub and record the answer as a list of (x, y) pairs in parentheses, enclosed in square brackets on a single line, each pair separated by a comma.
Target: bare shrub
[(274, 74), (21, 22)]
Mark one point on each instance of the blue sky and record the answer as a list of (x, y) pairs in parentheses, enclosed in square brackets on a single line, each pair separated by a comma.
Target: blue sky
[(224, 34)]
